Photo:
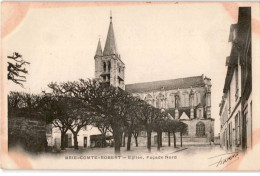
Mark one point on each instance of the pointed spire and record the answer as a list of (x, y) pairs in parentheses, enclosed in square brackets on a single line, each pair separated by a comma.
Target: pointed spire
[(111, 16), (99, 49), (110, 47)]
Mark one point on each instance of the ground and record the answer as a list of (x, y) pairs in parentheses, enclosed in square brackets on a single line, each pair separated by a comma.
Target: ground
[(143, 151)]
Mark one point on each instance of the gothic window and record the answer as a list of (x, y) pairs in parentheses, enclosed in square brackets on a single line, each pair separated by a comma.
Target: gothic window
[(186, 100), (157, 103), (149, 99), (161, 104), (182, 100), (200, 129), (104, 67), (109, 66), (200, 113), (177, 101), (160, 101), (198, 98), (171, 101), (191, 100)]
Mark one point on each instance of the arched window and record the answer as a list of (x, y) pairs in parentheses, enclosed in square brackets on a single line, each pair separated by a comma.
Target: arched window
[(171, 102), (198, 98), (186, 100), (181, 101), (160, 100), (191, 100), (158, 103), (149, 99), (109, 66), (104, 66), (200, 129)]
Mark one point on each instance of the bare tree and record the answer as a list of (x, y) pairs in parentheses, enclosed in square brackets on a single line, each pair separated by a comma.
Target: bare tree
[(16, 69)]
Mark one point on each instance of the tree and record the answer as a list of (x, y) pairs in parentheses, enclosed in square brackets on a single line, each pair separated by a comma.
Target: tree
[(182, 128), (103, 127), (24, 104), (145, 114), (136, 130), (16, 69), (79, 117), (172, 125), (158, 125), (106, 101), (56, 111), (132, 121), (76, 112)]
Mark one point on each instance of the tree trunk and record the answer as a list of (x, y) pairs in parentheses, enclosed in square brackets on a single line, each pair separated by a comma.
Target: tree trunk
[(174, 139), (158, 141), (124, 139), (103, 142), (121, 139), (136, 141), (129, 140), (117, 139), (149, 138), (75, 137), (181, 138), (62, 142), (169, 138)]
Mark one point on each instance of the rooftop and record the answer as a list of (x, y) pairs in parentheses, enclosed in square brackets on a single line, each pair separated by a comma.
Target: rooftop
[(170, 84)]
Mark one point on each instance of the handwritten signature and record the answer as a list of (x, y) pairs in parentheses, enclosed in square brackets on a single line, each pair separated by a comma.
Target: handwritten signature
[(225, 159)]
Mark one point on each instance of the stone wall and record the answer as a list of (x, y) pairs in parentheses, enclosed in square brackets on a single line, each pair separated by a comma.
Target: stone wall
[(28, 133)]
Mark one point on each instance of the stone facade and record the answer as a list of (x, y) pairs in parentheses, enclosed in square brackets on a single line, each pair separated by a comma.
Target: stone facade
[(236, 105), (29, 133), (186, 99)]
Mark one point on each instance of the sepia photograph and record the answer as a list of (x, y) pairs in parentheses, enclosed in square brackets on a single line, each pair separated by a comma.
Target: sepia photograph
[(130, 86)]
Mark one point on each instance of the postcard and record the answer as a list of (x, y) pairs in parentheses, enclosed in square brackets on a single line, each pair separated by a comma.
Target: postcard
[(130, 86)]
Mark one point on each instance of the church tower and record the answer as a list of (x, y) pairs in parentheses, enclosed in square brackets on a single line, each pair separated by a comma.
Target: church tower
[(108, 64)]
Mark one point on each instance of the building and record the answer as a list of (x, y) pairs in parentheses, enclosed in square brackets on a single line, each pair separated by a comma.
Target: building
[(187, 99), (236, 104)]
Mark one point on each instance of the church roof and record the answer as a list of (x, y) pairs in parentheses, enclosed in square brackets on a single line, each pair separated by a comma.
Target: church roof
[(166, 84), (110, 47), (99, 49)]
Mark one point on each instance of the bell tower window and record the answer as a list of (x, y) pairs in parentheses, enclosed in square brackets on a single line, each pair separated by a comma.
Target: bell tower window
[(109, 66), (104, 67)]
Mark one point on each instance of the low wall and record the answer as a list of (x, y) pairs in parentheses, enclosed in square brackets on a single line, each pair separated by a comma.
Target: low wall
[(29, 133)]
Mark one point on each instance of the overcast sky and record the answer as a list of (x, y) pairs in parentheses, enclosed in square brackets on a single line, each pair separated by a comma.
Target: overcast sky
[(156, 42)]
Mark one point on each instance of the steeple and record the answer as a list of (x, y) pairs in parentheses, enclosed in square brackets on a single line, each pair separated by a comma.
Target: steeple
[(110, 47), (99, 49)]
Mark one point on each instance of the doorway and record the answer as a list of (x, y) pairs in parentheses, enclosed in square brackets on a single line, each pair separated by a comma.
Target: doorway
[(68, 140), (85, 142)]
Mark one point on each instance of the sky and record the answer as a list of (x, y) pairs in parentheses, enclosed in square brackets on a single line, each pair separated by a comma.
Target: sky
[(156, 42)]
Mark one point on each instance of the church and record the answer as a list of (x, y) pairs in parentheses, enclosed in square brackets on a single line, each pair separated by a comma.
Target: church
[(187, 99)]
